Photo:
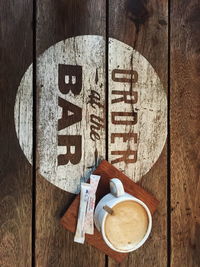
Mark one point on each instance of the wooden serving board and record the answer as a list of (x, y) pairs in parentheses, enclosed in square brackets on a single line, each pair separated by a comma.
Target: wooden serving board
[(107, 172)]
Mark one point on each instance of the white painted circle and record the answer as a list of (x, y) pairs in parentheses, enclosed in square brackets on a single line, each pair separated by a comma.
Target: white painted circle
[(89, 52)]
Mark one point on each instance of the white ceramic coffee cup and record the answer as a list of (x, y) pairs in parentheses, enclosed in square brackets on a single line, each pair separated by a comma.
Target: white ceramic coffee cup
[(116, 196)]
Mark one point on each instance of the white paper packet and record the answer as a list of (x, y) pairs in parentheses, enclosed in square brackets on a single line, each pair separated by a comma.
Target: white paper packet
[(89, 220), (80, 228)]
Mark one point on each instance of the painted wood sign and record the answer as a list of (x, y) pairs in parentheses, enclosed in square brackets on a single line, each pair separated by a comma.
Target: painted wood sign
[(72, 112)]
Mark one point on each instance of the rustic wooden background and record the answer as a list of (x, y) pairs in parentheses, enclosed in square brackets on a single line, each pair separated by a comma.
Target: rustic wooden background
[(167, 34)]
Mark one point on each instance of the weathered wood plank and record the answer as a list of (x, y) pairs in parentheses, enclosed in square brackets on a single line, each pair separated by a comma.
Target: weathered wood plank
[(16, 172), (143, 26), (59, 20), (71, 115), (185, 135), (137, 111)]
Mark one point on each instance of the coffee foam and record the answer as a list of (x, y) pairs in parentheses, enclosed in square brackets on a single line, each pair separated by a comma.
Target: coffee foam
[(127, 226)]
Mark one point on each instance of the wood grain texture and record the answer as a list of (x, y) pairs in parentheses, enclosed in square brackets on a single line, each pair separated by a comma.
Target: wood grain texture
[(66, 117), (137, 111), (143, 25), (56, 21), (15, 172), (72, 117), (185, 133), (107, 172)]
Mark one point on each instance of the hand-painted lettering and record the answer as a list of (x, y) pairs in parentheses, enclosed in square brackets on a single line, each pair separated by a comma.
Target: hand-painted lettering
[(67, 120), (125, 136), (94, 99), (124, 118), (72, 141), (97, 124), (125, 156), (119, 117), (133, 97), (70, 78), (124, 76)]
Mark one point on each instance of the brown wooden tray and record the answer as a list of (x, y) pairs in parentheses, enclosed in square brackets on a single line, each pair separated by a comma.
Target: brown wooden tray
[(107, 172)]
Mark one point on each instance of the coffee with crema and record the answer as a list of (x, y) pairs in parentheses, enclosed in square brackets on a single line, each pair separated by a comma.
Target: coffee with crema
[(127, 226)]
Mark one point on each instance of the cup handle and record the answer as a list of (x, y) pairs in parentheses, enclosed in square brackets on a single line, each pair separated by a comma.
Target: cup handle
[(116, 187)]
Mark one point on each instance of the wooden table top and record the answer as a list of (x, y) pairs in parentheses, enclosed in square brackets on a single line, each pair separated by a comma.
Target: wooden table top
[(88, 80)]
